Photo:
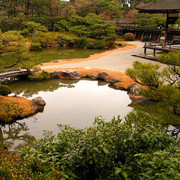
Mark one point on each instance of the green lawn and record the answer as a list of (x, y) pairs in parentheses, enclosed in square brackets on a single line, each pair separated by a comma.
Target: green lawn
[(53, 54)]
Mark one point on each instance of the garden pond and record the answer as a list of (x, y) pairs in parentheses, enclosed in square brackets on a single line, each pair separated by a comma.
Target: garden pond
[(70, 102)]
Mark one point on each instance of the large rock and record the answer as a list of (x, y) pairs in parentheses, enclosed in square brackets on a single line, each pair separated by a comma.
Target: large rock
[(134, 93), (67, 74), (35, 107), (114, 80), (134, 89), (55, 75), (102, 76), (39, 101), (93, 76)]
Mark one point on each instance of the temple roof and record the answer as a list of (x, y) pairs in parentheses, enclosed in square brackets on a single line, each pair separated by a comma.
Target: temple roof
[(162, 6)]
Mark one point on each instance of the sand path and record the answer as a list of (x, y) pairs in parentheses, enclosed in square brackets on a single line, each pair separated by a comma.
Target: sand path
[(117, 60)]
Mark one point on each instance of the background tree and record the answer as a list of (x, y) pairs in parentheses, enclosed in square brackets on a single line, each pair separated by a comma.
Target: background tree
[(172, 73), (14, 44), (149, 20)]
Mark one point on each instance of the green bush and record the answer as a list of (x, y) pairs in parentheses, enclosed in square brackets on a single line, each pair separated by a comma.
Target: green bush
[(145, 39), (45, 75), (91, 46), (25, 32), (80, 42), (100, 44), (35, 77), (36, 69), (35, 46), (66, 39), (5, 90), (129, 37), (42, 76), (111, 150)]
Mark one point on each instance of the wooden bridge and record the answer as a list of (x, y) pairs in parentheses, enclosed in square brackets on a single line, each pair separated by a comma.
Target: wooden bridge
[(157, 48), (13, 73), (160, 47)]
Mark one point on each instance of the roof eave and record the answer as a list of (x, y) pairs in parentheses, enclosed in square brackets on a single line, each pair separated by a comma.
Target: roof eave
[(141, 10)]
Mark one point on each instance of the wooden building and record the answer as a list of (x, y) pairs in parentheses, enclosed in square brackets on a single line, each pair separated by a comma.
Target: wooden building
[(169, 7)]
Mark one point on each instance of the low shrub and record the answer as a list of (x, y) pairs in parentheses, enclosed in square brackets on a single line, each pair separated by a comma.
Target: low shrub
[(24, 32), (5, 90), (45, 75), (65, 39), (145, 39), (36, 69), (35, 77), (129, 37), (42, 76), (100, 44), (91, 46), (35, 46), (80, 42)]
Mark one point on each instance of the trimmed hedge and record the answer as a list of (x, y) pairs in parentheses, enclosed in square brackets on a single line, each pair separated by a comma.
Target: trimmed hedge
[(129, 37)]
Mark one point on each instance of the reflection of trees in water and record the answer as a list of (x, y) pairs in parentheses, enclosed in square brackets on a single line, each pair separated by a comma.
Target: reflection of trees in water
[(170, 121), (159, 110), (29, 88), (15, 132)]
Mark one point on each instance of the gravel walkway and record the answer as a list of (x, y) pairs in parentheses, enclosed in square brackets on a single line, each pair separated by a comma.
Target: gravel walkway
[(116, 61)]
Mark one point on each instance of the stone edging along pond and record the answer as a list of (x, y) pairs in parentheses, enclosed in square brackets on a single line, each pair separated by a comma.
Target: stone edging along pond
[(13, 108)]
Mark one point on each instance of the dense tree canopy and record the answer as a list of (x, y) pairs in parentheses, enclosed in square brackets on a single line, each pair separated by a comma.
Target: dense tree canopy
[(14, 44)]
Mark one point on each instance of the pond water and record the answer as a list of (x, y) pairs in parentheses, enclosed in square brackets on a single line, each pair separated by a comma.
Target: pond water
[(69, 102)]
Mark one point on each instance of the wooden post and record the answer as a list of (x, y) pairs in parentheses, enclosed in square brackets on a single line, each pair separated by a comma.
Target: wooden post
[(145, 51), (154, 53), (166, 30)]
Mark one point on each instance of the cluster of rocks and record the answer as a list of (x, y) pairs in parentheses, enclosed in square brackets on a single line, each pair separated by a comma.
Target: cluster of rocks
[(103, 76), (66, 74)]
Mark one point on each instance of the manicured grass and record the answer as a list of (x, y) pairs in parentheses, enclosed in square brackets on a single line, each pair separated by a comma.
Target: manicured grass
[(48, 55)]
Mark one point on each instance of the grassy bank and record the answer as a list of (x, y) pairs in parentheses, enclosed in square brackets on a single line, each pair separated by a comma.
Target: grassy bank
[(12, 108), (51, 54)]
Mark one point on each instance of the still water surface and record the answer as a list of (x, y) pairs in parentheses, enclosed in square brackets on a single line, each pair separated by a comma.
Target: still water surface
[(74, 103)]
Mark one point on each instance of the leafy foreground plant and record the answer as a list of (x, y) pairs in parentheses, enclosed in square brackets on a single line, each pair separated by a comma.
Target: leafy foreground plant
[(12, 166), (135, 149)]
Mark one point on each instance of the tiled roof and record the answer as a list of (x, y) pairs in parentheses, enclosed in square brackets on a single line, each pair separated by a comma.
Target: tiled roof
[(172, 6)]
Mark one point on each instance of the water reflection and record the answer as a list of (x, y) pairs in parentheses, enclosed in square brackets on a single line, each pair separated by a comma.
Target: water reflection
[(169, 120), (159, 110), (15, 135), (30, 88)]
